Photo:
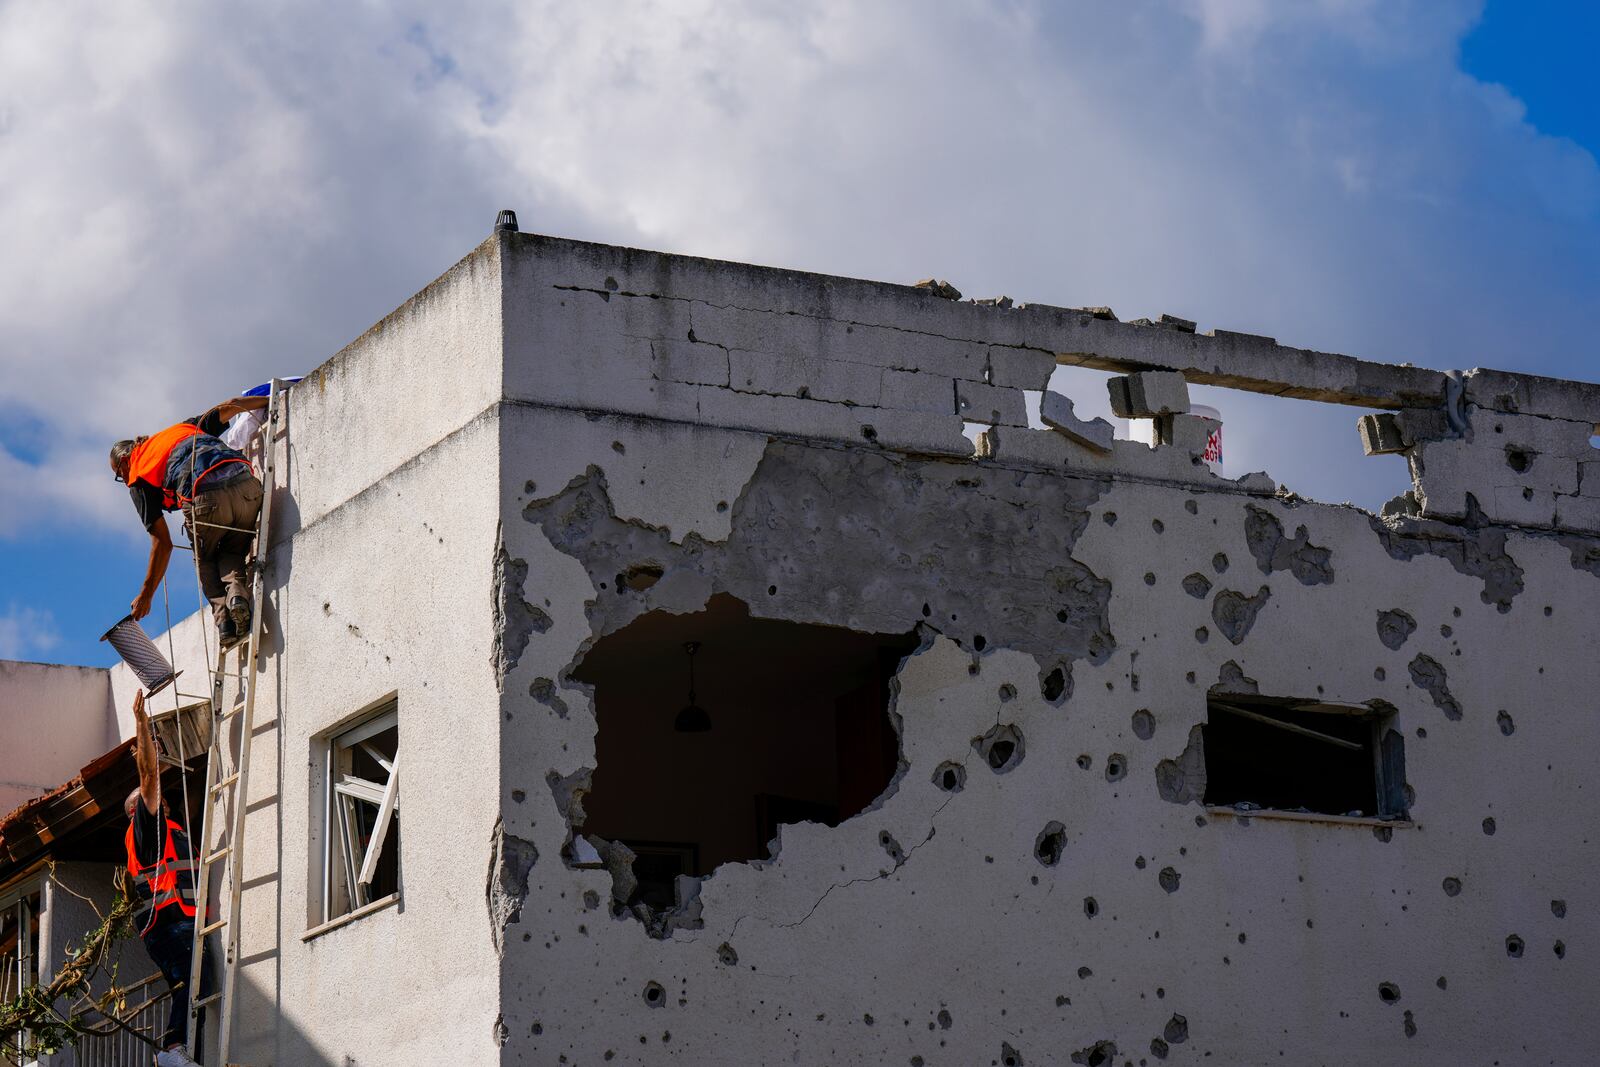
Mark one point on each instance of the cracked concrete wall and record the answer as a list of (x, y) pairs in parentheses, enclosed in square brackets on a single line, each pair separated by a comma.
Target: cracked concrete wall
[(1519, 469), (1041, 884)]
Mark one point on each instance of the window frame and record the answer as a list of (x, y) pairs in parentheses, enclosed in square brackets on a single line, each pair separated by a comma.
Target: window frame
[(1389, 804), (341, 793)]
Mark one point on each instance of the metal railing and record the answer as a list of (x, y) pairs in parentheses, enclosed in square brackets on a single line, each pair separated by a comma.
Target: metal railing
[(110, 1045)]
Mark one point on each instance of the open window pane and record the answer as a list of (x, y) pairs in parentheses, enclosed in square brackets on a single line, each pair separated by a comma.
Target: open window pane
[(364, 832)]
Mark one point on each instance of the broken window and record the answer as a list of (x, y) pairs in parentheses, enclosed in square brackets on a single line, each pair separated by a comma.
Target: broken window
[(19, 949), (799, 731), (1306, 756), (362, 861)]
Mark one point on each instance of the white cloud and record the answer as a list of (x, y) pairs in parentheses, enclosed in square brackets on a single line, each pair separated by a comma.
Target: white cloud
[(194, 201), (26, 632)]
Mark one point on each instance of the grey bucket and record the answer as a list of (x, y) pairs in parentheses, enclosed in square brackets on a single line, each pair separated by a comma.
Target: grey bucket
[(141, 654)]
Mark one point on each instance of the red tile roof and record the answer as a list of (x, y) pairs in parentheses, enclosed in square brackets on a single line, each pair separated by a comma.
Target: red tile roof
[(29, 833)]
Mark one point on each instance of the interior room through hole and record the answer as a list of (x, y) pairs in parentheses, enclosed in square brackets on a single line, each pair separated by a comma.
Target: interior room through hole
[(799, 731)]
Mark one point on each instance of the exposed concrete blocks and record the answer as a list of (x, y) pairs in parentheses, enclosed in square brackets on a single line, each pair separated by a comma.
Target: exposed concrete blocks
[(1578, 513), (796, 417), (678, 401), (1519, 468), (685, 361), (985, 403), (736, 328), (1166, 322), (778, 352), (940, 288), (1056, 412), (1020, 368), (919, 434), (1148, 394), (1554, 398), (1380, 434), (804, 376), (919, 391), (1186, 433), (1589, 477), (1524, 506), (538, 265), (1054, 449)]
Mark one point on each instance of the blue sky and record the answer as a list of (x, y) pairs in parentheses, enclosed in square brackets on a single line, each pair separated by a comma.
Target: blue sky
[(1543, 51), (193, 200)]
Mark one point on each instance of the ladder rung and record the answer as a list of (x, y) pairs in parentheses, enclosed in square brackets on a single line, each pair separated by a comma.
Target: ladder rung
[(218, 854), (234, 777), (212, 999), (213, 927)]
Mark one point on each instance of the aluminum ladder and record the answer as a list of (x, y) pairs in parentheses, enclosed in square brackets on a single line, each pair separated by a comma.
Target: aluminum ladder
[(227, 793)]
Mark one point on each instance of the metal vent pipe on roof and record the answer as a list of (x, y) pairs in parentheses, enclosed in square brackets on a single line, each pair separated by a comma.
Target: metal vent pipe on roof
[(140, 653), (506, 222)]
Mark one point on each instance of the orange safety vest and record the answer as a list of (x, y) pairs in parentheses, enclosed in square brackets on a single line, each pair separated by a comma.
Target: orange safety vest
[(168, 882), (148, 462)]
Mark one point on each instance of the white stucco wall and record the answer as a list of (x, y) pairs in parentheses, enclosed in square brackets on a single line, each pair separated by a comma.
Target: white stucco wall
[(53, 720), (385, 514), (386, 595)]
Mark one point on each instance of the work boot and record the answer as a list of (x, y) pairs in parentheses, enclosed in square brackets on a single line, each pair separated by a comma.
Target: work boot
[(227, 632), (176, 1056), (239, 611)]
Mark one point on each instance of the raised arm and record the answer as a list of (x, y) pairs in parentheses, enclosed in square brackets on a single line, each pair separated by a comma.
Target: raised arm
[(239, 404), (144, 757), (155, 570)]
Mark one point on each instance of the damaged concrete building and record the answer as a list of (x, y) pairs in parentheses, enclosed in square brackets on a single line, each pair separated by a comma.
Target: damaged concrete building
[(751, 712)]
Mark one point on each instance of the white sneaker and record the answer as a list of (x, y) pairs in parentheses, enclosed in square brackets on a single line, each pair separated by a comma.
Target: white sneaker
[(175, 1057)]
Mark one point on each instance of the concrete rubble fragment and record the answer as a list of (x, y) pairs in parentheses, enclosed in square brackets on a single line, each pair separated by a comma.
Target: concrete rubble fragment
[(1148, 394), (941, 289), (1380, 434), (1055, 410)]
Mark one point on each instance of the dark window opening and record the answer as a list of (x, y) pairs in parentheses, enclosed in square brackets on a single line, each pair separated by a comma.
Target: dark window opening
[(799, 732), (1304, 756)]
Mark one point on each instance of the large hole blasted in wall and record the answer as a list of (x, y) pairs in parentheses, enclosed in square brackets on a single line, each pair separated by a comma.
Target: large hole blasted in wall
[(835, 562), (801, 729)]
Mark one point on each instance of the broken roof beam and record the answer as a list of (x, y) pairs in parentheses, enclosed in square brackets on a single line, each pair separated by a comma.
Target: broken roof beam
[(1237, 361), (1531, 394), (1261, 365), (754, 297)]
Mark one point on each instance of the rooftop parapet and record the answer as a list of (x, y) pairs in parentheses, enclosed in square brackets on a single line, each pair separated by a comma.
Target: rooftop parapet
[(907, 368)]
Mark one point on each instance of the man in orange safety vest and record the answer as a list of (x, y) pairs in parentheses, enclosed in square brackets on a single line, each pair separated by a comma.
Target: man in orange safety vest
[(186, 466), (161, 869)]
